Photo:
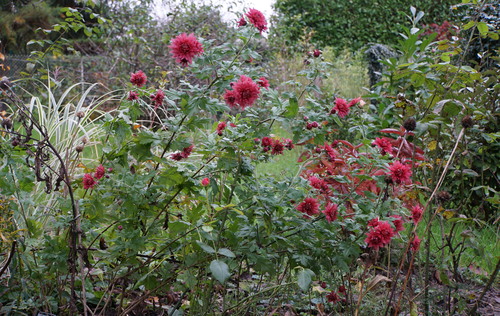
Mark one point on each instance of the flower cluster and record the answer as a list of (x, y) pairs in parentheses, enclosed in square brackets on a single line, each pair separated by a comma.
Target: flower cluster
[(245, 92), (342, 108), (157, 98), (184, 48), (380, 234), (183, 154), (90, 181), (275, 145)]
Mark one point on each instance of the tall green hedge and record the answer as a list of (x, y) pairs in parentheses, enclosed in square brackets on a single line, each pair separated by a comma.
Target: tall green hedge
[(350, 23)]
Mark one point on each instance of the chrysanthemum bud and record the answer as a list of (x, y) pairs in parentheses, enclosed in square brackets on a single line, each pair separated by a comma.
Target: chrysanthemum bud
[(467, 122), (410, 124), (15, 142), (7, 123), (317, 53), (79, 148), (85, 140), (80, 114)]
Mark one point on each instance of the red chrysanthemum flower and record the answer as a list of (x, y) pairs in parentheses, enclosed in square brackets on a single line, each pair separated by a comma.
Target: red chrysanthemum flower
[(242, 22), (157, 98), (342, 107), (398, 223), (184, 48), (132, 95), (263, 82), (384, 144), (317, 53), (380, 235), (319, 184), (139, 78), (400, 173), (309, 206), (176, 156), (232, 124), (88, 181), (342, 290), (230, 98), (332, 297), (277, 147), (415, 243), (331, 211), (187, 151), (205, 182), (246, 91), (266, 141), (99, 172), (257, 19), (373, 222), (220, 127), (416, 213)]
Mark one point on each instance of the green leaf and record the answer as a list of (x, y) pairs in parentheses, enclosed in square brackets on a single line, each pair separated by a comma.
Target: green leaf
[(220, 270), (292, 109), (304, 279), (226, 252), (482, 27), (469, 25), (205, 247)]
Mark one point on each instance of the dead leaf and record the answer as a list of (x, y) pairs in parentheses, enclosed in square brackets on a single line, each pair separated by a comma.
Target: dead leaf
[(376, 280)]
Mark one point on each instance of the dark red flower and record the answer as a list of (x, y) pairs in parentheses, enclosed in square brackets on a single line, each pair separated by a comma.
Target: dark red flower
[(416, 213), (415, 243), (99, 172), (398, 223), (184, 48), (132, 95), (384, 144), (266, 142), (399, 172), (331, 211), (342, 107), (242, 22), (220, 127), (157, 98), (319, 184), (309, 206), (373, 222), (139, 78), (177, 156), (230, 98), (263, 82), (88, 181), (246, 91), (277, 147), (380, 235), (257, 19), (232, 124), (333, 297), (317, 53), (311, 125), (187, 151), (288, 143), (342, 290)]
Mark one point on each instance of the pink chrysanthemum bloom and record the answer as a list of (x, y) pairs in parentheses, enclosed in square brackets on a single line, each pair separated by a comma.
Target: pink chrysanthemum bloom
[(309, 206), (99, 172), (263, 82), (415, 243), (184, 48), (398, 223), (342, 107), (384, 144), (139, 78), (88, 181), (157, 98), (246, 91), (399, 172), (230, 98), (373, 222), (205, 182), (277, 147), (330, 212), (416, 213), (132, 95), (220, 127), (257, 19)]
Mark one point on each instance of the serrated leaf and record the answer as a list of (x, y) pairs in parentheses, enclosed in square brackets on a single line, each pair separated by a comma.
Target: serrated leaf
[(304, 279), (220, 270), (292, 108)]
